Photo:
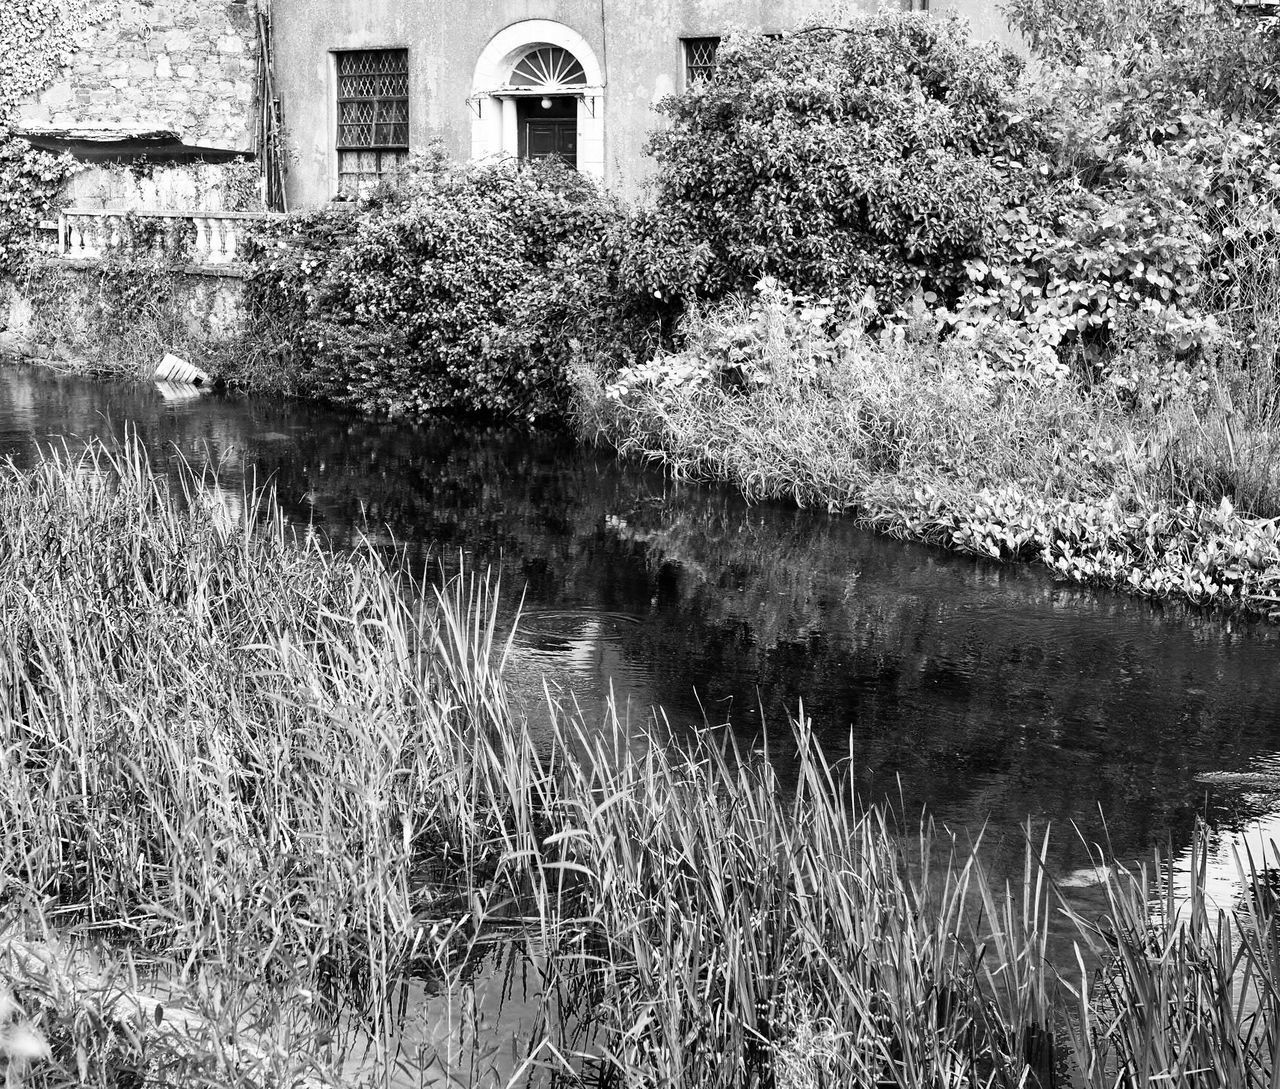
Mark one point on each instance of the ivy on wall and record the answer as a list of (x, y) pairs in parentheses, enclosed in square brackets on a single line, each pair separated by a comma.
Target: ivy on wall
[(30, 183), (37, 38)]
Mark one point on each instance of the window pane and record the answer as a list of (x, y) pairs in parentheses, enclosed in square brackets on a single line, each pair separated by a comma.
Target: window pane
[(548, 67), (700, 58), (373, 110)]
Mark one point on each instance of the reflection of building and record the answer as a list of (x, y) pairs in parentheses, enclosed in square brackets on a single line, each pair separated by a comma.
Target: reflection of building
[(365, 83)]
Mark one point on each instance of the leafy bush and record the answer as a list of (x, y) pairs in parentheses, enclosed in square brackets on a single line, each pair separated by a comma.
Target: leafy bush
[(467, 289), (776, 336), (870, 153), (1074, 262)]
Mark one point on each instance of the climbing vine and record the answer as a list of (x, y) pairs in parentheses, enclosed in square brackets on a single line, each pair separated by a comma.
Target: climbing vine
[(37, 38), (30, 182)]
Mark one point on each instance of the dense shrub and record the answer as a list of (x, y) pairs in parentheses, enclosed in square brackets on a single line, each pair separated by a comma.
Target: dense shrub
[(1112, 208), (467, 289), (870, 153), (1146, 229)]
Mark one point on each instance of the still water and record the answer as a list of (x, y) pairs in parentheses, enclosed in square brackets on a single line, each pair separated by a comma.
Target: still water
[(986, 693)]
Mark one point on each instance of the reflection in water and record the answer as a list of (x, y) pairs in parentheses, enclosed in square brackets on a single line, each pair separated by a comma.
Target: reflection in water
[(1233, 854), (987, 693), (1240, 856), (486, 1032)]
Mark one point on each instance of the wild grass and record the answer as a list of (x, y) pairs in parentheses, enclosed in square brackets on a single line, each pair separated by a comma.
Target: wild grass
[(251, 787)]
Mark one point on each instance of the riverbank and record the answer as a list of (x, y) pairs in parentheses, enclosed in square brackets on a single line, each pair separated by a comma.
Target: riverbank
[(925, 439), (301, 782)]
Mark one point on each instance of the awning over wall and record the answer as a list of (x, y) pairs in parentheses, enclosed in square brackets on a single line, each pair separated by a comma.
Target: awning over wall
[(102, 144)]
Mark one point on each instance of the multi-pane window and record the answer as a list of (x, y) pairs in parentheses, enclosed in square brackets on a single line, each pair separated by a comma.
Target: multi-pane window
[(373, 117), (699, 58)]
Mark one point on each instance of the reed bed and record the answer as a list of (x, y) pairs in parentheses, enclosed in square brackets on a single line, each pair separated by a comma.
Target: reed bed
[(250, 787)]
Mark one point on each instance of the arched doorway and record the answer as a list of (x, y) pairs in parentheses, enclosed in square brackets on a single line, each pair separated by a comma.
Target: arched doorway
[(538, 93), (547, 109)]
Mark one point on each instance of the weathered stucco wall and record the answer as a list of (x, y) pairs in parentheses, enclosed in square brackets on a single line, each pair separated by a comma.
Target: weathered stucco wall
[(185, 65), (638, 45)]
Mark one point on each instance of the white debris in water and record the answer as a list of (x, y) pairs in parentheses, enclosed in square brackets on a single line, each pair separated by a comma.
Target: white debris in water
[(175, 369), (1085, 877)]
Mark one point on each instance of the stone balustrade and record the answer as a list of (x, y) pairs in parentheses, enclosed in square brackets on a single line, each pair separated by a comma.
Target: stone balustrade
[(185, 238)]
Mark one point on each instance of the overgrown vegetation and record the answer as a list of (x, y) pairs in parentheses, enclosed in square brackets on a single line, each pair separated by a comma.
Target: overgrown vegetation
[(35, 41), (118, 318), (925, 438), (1086, 377), (250, 785), (30, 187), (873, 154)]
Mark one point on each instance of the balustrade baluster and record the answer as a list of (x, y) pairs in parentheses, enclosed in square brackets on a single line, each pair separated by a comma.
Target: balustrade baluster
[(213, 239), (217, 253), (95, 238)]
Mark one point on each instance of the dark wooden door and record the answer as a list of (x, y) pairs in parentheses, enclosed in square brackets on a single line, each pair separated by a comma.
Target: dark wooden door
[(549, 136)]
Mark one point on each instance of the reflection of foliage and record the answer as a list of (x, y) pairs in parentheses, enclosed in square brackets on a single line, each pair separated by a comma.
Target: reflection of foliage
[(740, 569)]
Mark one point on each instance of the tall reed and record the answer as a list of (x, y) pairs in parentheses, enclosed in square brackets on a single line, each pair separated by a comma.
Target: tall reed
[(251, 789)]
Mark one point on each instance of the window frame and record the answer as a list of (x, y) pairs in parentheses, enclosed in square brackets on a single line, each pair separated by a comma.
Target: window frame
[(382, 150), (691, 71)]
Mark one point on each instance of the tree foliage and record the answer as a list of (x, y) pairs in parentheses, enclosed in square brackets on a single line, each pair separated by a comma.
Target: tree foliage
[(1160, 50)]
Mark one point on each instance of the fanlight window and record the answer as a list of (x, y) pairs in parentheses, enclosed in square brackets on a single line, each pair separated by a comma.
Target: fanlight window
[(549, 67)]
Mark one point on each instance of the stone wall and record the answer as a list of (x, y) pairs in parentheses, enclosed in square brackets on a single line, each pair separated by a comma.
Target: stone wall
[(69, 313), (184, 65)]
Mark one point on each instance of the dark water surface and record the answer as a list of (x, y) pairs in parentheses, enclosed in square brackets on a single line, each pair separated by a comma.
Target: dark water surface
[(987, 693)]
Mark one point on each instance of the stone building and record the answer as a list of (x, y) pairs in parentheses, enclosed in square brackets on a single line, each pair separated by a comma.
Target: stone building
[(363, 83), (344, 91)]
